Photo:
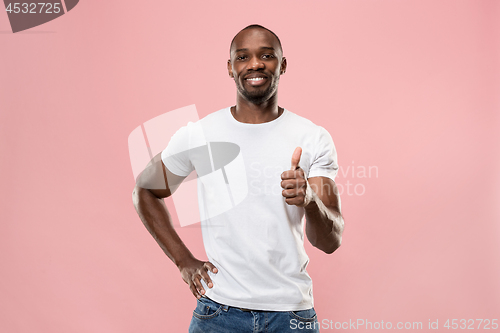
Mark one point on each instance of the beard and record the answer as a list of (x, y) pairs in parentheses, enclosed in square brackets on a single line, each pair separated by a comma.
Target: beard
[(257, 96)]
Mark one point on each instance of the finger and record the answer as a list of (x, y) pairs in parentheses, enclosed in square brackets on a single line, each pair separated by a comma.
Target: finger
[(193, 290), (197, 283), (296, 201), (296, 158), (207, 279), (292, 174), (211, 267), (293, 183), (289, 193), (287, 184), (292, 193)]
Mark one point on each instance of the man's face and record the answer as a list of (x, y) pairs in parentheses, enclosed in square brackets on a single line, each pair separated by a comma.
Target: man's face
[(256, 64)]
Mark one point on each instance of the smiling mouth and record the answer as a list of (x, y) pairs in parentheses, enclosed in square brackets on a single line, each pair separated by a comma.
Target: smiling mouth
[(256, 81)]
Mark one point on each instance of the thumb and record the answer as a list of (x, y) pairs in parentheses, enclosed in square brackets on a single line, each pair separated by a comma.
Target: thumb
[(296, 157)]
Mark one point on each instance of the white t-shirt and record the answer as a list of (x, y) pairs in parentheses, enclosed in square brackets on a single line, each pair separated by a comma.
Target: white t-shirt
[(256, 240)]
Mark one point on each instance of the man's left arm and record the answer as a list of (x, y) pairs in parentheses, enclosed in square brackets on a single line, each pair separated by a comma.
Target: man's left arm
[(320, 198), (324, 221)]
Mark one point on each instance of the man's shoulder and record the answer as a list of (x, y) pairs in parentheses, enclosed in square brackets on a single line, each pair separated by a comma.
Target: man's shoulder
[(302, 121), (210, 121), (214, 116), (310, 131)]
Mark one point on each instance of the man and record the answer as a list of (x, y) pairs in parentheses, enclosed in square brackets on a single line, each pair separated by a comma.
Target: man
[(255, 279)]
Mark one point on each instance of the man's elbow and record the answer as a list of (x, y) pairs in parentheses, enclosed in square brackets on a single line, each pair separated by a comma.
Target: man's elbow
[(138, 194), (331, 247)]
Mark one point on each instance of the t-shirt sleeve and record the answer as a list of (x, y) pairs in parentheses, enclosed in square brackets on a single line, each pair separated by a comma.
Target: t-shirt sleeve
[(176, 156), (325, 158)]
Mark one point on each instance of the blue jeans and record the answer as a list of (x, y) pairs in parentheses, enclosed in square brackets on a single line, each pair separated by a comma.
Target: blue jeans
[(212, 317)]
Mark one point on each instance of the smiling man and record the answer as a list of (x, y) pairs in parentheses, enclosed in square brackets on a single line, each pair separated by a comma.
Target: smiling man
[(255, 279)]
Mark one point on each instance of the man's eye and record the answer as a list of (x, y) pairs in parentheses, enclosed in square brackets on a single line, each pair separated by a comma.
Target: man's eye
[(268, 56), (241, 57)]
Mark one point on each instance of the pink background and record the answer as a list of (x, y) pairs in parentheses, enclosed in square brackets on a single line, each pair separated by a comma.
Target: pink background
[(408, 87)]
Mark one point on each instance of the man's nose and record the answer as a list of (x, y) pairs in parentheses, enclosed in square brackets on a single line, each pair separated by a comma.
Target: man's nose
[(255, 63)]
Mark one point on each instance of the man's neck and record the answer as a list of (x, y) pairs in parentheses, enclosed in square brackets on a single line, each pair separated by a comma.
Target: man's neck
[(246, 112)]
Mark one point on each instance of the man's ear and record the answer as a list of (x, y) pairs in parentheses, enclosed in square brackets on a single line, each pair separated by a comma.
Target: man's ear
[(283, 66), (230, 69)]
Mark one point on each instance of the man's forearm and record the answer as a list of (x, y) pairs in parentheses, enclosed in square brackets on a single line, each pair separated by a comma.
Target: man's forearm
[(324, 226), (155, 216)]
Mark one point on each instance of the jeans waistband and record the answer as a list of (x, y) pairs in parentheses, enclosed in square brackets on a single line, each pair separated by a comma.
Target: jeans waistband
[(226, 307)]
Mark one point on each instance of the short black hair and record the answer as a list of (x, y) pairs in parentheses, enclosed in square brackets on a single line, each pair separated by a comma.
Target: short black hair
[(255, 26)]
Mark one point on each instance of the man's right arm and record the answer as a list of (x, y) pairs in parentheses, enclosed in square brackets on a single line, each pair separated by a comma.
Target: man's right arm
[(153, 184)]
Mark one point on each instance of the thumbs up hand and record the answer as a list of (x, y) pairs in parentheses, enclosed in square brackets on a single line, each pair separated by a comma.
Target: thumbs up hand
[(294, 183), (296, 157)]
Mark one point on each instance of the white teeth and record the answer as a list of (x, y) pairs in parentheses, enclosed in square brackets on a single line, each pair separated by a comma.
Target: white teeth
[(256, 78)]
